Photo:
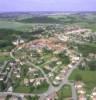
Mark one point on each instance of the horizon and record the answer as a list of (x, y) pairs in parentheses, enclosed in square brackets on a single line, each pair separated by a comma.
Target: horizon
[(48, 5), (47, 11)]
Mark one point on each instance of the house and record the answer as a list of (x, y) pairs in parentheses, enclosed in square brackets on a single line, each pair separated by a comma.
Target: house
[(79, 85), (50, 74), (21, 41), (47, 67), (58, 78), (82, 97), (55, 82), (31, 80), (18, 41), (93, 95), (26, 81), (21, 63), (59, 63), (63, 71), (19, 48), (30, 70), (15, 72), (75, 58), (2, 77), (81, 91), (15, 43), (18, 76), (63, 38), (70, 66), (36, 83), (10, 89), (52, 96)]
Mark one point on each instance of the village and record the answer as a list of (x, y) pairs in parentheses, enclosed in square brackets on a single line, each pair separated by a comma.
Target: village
[(45, 63)]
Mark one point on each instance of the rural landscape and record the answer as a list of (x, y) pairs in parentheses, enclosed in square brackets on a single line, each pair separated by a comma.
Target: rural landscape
[(48, 56)]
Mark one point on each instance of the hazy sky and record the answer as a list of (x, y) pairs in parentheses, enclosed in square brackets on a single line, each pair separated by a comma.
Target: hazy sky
[(47, 5)]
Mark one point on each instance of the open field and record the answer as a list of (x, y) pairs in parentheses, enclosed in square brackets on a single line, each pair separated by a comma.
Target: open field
[(87, 77), (87, 48), (64, 93), (4, 57), (15, 25), (25, 89), (25, 23)]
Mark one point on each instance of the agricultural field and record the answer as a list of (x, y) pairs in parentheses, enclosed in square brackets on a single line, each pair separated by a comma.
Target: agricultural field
[(87, 48)]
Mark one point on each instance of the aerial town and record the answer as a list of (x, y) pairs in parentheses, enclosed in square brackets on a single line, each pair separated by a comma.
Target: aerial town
[(51, 62)]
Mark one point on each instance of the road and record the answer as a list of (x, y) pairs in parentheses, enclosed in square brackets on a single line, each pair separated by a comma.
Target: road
[(74, 93)]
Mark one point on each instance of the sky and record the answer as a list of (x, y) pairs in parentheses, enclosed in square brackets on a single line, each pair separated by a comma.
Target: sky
[(47, 5)]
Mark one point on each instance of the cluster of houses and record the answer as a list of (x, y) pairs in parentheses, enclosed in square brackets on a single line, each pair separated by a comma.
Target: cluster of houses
[(81, 91), (31, 71), (34, 81), (16, 70), (75, 32), (5, 74), (92, 56), (65, 70), (18, 41), (51, 43), (93, 94), (2, 73)]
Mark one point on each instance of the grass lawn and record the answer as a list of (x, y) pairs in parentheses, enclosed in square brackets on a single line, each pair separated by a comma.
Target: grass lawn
[(88, 77), (15, 25), (87, 48), (65, 92), (30, 89), (5, 58), (22, 89)]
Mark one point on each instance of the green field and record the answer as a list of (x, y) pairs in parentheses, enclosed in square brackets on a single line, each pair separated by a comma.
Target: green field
[(87, 48), (26, 23), (65, 92), (5, 58), (16, 25), (31, 89), (87, 76)]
